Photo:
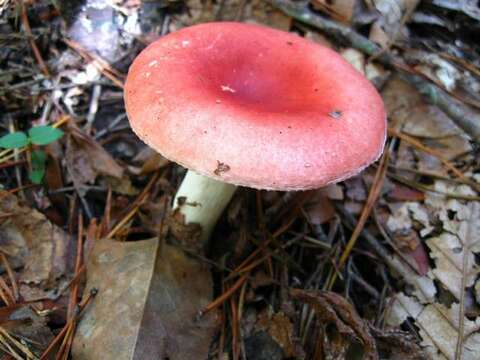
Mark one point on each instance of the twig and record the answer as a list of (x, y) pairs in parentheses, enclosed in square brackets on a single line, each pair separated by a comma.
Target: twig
[(464, 116), (235, 329), (110, 126), (18, 173), (11, 276), (93, 108), (403, 269), (28, 31), (225, 296), (5, 335), (370, 203), (4, 297), (102, 65), (11, 298), (61, 334), (78, 264), (425, 188), (135, 206), (417, 144), (426, 173)]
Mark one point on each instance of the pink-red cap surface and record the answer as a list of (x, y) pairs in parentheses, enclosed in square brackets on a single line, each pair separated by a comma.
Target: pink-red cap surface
[(253, 106)]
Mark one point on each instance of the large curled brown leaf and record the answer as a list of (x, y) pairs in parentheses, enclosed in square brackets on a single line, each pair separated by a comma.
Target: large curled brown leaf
[(331, 308), (33, 244), (148, 299)]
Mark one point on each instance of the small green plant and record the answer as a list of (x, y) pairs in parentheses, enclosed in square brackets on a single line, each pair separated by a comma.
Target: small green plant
[(38, 135)]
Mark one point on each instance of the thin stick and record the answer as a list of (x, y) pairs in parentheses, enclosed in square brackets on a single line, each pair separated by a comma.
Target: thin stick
[(61, 334), (371, 200), (235, 327), (78, 264), (7, 290), (63, 347), (33, 45), (102, 65), (136, 205), (222, 298), (425, 149), (11, 276)]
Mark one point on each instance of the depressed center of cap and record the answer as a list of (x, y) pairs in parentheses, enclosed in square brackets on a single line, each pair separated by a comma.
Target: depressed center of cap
[(254, 106)]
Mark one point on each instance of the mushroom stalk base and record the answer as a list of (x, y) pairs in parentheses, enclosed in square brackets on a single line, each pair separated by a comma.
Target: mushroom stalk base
[(203, 201)]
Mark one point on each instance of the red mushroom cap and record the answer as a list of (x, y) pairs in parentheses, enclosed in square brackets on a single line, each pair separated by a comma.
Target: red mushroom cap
[(253, 106)]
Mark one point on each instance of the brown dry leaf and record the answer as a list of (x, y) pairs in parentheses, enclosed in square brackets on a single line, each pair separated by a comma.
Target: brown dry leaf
[(341, 10), (404, 193), (390, 26), (41, 249), (122, 185), (153, 213), (280, 328), (29, 327), (319, 208), (260, 279), (371, 71), (423, 286), (439, 327), (434, 128), (399, 345), (404, 214), (256, 11), (444, 335), (263, 13), (198, 11), (86, 159), (150, 161), (435, 67), (356, 58), (148, 299), (331, 308), (454, 250)]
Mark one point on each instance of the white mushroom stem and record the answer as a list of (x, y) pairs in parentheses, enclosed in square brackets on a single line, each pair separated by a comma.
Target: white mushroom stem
[(205, 200)]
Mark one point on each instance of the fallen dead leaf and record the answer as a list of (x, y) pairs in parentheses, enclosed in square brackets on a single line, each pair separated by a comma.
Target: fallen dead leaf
[(319, 209), (148, 299), (356, 58), (439, 327), (150, 161), (434, 128), (389, 27), (261, 346), (86, 159), (454, 250), (122, 185), (263, 13), (422, 286), (331, 308), (404, 214), (280, 328), (40, 250), (399, 345), (29, 327), (341, 10), (404, 193)]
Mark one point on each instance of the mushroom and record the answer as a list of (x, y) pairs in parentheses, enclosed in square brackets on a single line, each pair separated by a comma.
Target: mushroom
[(242, 104)]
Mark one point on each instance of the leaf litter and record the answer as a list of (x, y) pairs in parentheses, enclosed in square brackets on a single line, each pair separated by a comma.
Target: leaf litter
[(279, 264), (154, 292)]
